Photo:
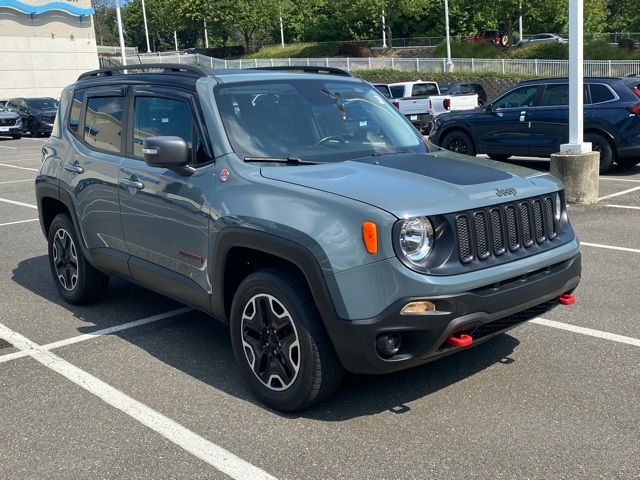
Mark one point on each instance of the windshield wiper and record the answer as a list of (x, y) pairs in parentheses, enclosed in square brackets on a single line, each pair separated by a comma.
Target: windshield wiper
[(287, 160)]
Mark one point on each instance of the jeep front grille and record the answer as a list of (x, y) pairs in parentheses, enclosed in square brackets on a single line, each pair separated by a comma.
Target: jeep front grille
[(511, 227), (7, 122)]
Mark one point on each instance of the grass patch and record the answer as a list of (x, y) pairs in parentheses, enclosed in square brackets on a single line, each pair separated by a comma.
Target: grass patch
[(298, 50), (469, 50)]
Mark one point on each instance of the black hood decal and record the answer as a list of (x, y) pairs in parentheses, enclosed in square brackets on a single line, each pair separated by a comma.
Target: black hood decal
[(450, 170)]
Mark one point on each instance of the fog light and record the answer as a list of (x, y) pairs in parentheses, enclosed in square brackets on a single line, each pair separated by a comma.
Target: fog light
[(388, 344), (418, 308)]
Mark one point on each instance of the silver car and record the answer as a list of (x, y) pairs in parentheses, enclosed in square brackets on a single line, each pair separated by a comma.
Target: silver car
[(10, 123), (542, 37)]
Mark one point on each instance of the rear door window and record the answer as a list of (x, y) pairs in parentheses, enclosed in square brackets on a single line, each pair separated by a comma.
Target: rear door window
[(601, 93), (424, 90), (397, 91), (103, 123)]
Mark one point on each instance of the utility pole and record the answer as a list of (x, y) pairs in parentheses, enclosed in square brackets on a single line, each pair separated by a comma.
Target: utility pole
[(123, 52), (520, 21), (576, 164), (446, 23), (146, 29), (281, 32), (384, 30)]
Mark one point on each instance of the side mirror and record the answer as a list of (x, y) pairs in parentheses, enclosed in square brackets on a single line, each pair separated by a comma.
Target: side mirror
[(488, 108), (166, 152)]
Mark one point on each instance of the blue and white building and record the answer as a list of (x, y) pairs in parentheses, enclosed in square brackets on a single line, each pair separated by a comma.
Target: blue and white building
[(44, 45)]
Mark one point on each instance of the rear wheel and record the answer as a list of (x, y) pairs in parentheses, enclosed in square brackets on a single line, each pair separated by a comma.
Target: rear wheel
[(279, 341), (459, 142), (499, 158), (77, 280), (602, 145)]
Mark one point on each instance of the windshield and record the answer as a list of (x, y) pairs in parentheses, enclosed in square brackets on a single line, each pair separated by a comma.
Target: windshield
[(324, 120), (43, 103)]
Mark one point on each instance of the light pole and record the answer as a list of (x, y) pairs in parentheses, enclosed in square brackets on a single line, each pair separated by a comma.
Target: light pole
[(146, 29), (384, 30), (123, 53), (175, 38), (206, 34), (520, 20), (446, 24), (281, 32), (576, 165)]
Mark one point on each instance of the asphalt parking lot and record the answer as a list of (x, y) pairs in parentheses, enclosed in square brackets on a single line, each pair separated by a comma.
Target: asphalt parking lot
[(139, 386)]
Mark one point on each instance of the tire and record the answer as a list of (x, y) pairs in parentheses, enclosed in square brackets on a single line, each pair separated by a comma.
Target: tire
[(499, 158), (32, 126), (602, 145), (77, 280), (459, 142), (628, 162), (16, 137), (306, 374)]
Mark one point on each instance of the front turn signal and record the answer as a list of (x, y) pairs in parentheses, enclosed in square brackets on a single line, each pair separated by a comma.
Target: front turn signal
[(370, 237)]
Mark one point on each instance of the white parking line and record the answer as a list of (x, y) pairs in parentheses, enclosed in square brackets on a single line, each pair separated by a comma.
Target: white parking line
[(20, 168), (216, 456), (10, 148), (99, 333), (623, 206), (17, 181), (587, 331), (22, 204), (612, 179), (617, 194), (611, 247), (19, 221)]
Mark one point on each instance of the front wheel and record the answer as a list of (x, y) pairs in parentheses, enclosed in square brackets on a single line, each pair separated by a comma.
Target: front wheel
[(16, 137), (77, 280), (32, 126), (628, 162), (459, 142), (602, 145), (279, 341)]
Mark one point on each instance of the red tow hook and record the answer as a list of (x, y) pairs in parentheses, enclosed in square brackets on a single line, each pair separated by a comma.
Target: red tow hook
[(461, 340), (567, 299)]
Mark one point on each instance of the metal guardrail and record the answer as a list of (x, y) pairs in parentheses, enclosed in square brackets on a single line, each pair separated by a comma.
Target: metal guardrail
[(524, 67)]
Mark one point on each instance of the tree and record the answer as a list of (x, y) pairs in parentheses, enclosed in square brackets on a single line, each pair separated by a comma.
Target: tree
[(104, 22)]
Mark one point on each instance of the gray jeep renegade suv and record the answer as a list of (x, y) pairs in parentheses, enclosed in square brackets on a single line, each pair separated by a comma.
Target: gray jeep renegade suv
[(304, 211)]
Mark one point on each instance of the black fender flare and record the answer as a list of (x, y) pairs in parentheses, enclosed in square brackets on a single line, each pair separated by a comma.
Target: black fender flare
[(293, 252)]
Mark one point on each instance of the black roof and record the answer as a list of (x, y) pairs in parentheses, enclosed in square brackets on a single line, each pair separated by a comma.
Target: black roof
[(566, 79)]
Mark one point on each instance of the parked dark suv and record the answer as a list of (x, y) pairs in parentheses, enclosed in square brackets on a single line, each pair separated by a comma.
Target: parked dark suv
[(303, 210), (38, 114), (532, 119)]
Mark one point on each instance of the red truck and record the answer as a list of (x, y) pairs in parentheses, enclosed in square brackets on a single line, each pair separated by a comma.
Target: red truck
[(497, 37)]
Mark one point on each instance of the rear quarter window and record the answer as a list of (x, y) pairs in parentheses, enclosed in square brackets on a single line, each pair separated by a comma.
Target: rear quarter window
[(74, 112), (600, 93)]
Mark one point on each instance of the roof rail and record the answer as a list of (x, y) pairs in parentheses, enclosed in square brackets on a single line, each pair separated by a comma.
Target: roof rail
[(170, 68), (308, 69)]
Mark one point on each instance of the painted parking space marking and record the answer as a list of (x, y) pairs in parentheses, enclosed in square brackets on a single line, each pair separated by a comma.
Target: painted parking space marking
[(617, 194), (18, 222), (587, 331), (9, 148), (20, 168), (22, 204), (17, 181), (623, 206), (100, 333), (611, 247), (613, 179), (216, 456)]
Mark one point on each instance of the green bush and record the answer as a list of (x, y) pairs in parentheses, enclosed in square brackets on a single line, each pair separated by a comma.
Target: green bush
[(388, 75), (469, 50), (602, 50), (541, 50)]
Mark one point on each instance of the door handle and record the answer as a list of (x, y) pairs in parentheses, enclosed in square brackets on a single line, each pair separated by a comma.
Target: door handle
[(73, 167), (138, 185)]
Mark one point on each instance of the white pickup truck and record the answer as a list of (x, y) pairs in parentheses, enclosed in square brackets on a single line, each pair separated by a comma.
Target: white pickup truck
[(421, 102)]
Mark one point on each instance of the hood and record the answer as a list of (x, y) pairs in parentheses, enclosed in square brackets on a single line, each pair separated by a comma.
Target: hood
[(8, 115), (46, 113), (409, 185)]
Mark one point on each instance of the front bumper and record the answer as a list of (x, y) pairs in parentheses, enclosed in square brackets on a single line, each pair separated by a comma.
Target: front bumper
[(483, 313), (11, 130)]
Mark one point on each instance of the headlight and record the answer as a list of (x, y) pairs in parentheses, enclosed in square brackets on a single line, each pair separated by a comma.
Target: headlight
[(416, 238), (558, 211)]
